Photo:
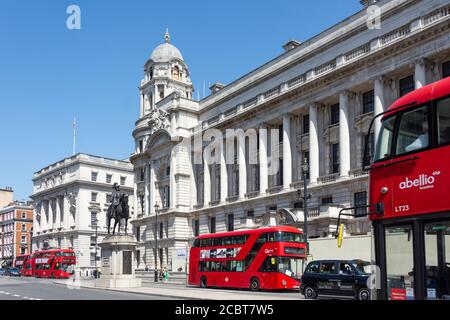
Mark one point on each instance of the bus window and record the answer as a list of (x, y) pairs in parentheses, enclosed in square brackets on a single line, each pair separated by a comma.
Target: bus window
[(443, 110), (269, 265), (384, 142), (413, 132)]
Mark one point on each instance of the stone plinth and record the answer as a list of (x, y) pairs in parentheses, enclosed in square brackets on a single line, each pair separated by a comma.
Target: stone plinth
[(118, 263)]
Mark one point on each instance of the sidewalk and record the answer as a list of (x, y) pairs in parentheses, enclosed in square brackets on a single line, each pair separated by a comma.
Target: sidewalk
[(189, 292)]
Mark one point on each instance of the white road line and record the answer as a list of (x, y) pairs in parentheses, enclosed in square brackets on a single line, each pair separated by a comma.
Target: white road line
[(25, 297), (7, 293), (16, 295)]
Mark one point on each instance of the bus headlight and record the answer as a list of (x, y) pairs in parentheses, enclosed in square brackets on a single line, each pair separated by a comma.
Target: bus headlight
[(284, 282)]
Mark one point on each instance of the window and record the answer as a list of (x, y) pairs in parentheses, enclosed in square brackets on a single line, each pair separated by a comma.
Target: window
[(108, 178), (161, 230), (370, 140), (161, 91), (446, 69), (94, 176), (94, 220), (142, 174), (298, 205), (327, 200), (212, 224), (306, 124), (250, 213), (108, 198), (93, 241), (166, 199), (24, 227), (346, 269), (335, 166), (23, 239), (334, 118), (196, 228), (23, 250), (413, 131), (24, 215), (138, 234), (360, 199), (168, 171), (443, 111), (231, 222), (94, 196), (327, 268), (141, 145), (123, 181), (384, 143), (368, 101), (141, 200), (406, 85)]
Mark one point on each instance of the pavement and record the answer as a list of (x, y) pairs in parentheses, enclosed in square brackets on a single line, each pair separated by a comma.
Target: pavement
[(182, 291)]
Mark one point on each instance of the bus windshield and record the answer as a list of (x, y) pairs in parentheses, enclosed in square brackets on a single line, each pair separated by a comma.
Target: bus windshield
[(292, 267), (384, 142)]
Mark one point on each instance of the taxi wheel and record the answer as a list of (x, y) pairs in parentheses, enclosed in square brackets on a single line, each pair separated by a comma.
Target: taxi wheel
[(363, 294), (254, 284), (310, 293), (203, 282)]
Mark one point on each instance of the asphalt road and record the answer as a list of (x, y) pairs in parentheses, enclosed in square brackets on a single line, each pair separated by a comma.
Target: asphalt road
[(46, 289)]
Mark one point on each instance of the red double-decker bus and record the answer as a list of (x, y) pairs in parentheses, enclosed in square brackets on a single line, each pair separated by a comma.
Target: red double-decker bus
[(58, 263), (20, 262), (267, 258), (27, 270), (410, 187)]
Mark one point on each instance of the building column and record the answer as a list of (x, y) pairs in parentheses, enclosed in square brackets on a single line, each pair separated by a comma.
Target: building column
[(242, 167), (135, 198), (287, 153), (378, 103), (420, 73), (206, 181), (152, 190), (172, 181), (314, 159), (344, 134), (146, 209), (263, 169), (223, 174)]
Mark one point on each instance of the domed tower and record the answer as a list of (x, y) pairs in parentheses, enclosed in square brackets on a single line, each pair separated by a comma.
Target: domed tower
[(164, 72)]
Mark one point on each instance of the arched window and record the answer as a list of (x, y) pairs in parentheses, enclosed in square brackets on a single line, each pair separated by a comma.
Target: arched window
[(176, 73)]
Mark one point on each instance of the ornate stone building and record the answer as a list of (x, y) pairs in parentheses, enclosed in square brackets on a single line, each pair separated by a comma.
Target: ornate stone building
[(320, 94), (71, 198)]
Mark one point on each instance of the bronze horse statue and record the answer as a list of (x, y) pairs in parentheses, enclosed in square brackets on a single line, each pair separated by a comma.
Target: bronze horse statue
[(122, 211)]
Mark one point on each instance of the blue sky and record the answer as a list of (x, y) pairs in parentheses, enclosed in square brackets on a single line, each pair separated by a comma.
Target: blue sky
[(48, 73)]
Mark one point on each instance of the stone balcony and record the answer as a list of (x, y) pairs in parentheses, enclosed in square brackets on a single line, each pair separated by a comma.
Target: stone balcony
[(323, 212)]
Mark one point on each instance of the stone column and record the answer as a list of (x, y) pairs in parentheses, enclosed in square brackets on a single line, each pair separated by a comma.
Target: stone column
[(152, 189), (287, 153), (344, 134), (378, 103), (223, 174), (263, 169), (420, 74), (135, 198), (172, 181), (206, 181), (146, 209), (314, 159), (242, 167)]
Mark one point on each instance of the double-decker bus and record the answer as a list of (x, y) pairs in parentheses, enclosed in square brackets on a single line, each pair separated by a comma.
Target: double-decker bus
[(267, 258), (27, 270), (57, 263), (410, 191), (21, 261)]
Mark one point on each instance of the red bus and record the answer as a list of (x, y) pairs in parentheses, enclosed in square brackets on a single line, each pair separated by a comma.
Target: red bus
[(21, 261), (58, 263), (27, 270), (409, 186), (266, 258)]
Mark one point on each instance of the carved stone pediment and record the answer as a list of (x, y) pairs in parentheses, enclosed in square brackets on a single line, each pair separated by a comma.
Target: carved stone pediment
[(362, 122), (331, 134), (158, 120)]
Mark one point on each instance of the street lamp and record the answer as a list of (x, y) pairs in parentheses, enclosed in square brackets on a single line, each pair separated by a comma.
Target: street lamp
[(305, 197), (156, 241)]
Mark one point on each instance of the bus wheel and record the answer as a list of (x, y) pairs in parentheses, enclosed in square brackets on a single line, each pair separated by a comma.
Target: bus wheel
[(254, 284), (363, 294), (310, 293), (203, 282)]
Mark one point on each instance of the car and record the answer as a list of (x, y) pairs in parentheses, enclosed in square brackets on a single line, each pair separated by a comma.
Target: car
[(13, 272), (2, 272), (336, 279)]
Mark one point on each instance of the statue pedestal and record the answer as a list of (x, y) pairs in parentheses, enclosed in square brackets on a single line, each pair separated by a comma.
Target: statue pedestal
[(118, 263)]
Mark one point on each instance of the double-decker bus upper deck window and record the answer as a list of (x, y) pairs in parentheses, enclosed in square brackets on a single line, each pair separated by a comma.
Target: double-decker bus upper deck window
[(384, 143), (413, 134), (443, 111)]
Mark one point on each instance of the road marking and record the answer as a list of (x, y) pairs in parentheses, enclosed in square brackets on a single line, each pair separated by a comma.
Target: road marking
[(16, 295), (7, 293)]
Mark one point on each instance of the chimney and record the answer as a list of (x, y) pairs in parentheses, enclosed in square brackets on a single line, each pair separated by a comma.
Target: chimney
[(291, 44), (6, 197), (216, 87)]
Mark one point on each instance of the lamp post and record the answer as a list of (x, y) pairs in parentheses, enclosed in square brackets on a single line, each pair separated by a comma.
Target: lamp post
[(305, 197), (156, 241)]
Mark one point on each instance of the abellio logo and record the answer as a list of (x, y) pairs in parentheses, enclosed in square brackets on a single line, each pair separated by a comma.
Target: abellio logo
[(423, 182)]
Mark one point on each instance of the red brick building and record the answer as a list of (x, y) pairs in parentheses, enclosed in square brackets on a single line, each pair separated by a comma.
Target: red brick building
[(16, 227)]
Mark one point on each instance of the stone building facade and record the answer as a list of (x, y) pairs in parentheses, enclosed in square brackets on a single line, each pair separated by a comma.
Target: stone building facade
[(71, 198), (321, 96)]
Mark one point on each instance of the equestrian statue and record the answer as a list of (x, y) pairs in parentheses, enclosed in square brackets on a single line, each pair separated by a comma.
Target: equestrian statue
[(118, 209)]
